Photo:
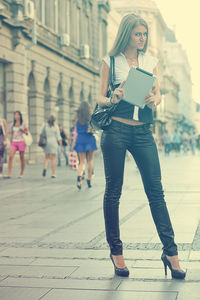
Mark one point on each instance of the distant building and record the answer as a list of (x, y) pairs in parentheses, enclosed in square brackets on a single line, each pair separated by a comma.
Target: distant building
[(177, 61), (196, 117), (57, 72)]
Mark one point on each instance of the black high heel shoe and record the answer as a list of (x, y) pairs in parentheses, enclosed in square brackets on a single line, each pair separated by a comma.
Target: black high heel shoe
[(124, 272), (177, 274), (79, 182), (89, 183)]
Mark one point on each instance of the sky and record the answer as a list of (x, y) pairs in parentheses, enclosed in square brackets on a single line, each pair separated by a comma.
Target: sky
[(185, 16)]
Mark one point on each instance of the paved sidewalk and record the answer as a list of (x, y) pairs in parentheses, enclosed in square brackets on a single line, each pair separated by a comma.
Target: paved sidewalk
[(52, 239)]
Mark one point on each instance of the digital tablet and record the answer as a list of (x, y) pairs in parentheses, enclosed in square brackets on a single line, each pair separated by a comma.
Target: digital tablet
[(138, 85)]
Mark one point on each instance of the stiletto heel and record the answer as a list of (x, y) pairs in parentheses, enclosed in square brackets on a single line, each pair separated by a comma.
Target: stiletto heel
[(124, 272), (165, 267), (177, 274), (79, 182), (89, 183)]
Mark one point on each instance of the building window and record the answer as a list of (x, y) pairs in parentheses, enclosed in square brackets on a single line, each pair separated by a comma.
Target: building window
[(75, 23), (102, 38), (67, 16), (47, 13), (41, 10), (60, 102), (47, 99), (2, 92), (90, 29)]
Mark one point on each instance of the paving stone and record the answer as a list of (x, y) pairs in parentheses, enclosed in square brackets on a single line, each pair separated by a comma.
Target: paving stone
[(94, 272), (14, 293), (140, 273), (105, 295), (189, 291), (15, 261), (71, 262), (162, 286), (194, 255), (149, 264), (193, 274), (37, 271), (2, 249), (154, 264), (62, 283), (43, 252), (191, 265)]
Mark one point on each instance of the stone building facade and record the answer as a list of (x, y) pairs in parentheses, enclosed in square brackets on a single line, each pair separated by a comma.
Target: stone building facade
[(179, 66), (49, 59)]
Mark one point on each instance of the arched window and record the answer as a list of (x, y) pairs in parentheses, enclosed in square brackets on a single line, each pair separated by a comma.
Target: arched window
[(60, 101), (82, 96), (32, 103), (71, 105), (47, 19), (47, 99), (75, 22), (90, 98), (2, 92)]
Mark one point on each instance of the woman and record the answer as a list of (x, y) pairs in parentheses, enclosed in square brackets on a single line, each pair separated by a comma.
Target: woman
[(85, 143), (64, 137), (53, 139), (3, 142), (130, 130), (18, 129)]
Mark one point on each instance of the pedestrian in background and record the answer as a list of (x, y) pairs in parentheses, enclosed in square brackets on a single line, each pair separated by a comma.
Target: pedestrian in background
[(64, 137), (130, 130), (18, 129), (51, 149), (185, 142), (3, 143), (167, 142), (85, 143), (177, 141), (193, 142), (72, 136)]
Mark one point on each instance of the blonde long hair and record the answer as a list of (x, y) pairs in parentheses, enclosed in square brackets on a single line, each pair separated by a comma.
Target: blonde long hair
[(127, 25)]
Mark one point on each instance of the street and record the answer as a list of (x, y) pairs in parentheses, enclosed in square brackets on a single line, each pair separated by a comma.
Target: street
[(52, 239)]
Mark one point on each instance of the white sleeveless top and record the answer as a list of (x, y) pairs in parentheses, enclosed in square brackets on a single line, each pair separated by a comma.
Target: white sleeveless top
[(145, 61)]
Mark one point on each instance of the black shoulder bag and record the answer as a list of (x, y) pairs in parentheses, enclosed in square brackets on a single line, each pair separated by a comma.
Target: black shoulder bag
[(102, 115)]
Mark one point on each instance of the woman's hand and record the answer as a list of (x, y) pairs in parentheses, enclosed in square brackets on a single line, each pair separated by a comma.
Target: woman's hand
[(118, 93), (24, 130), (152, 100)]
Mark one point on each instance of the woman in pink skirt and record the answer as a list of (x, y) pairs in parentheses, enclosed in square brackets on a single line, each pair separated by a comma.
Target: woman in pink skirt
[(18, 128)]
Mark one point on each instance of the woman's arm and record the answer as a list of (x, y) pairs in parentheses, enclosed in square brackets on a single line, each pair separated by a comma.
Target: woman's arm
[(11, 135), (5, 129), (66, 135), (154, 98), (59, 139), (118, 93), (5, 133), (24, 129)]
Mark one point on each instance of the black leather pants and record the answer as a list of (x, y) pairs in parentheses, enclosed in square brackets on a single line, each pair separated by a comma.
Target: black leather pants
[(138, 140)]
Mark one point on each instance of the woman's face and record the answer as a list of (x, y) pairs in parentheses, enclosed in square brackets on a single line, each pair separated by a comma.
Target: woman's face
[(17, 116), (138, 37)]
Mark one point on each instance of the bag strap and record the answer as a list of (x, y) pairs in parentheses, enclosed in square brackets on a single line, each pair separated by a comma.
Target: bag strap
[(112, 72)]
